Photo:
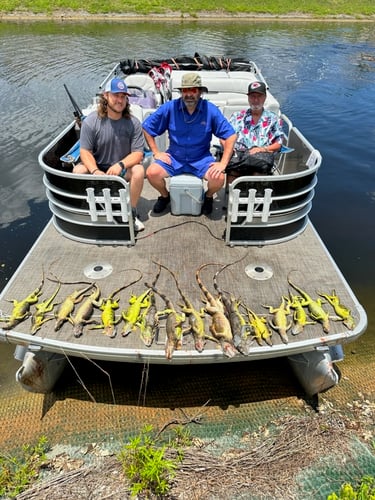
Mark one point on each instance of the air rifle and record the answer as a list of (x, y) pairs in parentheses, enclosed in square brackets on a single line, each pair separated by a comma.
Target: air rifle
[(77, 110), (72, 156)]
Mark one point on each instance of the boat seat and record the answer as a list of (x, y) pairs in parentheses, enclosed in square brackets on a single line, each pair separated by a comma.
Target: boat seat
[(270, 104), (222, 99), (144, 83), (141, 80), (222, 81), (145, 98), (140, 112)]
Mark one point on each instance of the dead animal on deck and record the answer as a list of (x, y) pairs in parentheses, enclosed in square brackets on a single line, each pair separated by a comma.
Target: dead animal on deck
[(84, 312), (316, 311), (108, 317), (300, 319), (280, 321), (220, 326), (108, 307), (195, 317), (244, 331), (132, 314), (67, 306), (21, 309), (39, 316), (343, 313), (260, 331), (148, 322), (241, 329), (174, 323), (148, 328)]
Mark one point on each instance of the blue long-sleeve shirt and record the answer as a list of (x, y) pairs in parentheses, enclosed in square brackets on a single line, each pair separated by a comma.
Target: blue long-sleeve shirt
[(190, 135)]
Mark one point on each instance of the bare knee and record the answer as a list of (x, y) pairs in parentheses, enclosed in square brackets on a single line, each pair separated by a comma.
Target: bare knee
[(80, 169), (137, 172), (155, 171), (216, 184)]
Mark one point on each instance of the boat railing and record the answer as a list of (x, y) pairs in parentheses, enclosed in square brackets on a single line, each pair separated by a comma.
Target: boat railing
[(90, 210), (271, 209)]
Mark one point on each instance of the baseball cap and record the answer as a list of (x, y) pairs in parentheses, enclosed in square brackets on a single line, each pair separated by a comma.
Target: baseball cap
[(259, 87), (116, 86)]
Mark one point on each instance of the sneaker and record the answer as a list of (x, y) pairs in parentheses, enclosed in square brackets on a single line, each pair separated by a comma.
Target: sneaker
[(138, 225), (161, 204), (207, 205)]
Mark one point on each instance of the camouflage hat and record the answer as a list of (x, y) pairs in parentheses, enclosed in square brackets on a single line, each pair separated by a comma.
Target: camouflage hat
[(190, 80)]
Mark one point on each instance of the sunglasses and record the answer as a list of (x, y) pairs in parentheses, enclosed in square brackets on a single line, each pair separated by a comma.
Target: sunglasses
[(191, 90)]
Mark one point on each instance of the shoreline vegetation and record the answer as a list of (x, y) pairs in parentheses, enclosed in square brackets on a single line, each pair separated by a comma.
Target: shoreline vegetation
[(204, 10)]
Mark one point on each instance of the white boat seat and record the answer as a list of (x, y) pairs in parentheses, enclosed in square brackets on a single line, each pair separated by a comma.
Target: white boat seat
[(145, 99), (222, 99), (221, 82), (141, 80), (270, 104), (140, 112)]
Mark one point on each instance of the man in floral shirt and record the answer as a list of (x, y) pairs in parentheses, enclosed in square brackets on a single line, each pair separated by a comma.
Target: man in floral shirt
[(257, 129)]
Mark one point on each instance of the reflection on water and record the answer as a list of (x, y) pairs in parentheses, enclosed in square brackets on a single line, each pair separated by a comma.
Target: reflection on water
[(316, 70)]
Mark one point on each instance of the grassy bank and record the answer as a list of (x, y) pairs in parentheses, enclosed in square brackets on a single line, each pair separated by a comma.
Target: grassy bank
[(193, 8)]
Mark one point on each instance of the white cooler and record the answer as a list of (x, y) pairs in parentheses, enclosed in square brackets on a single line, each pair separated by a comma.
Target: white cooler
[(186, 192)]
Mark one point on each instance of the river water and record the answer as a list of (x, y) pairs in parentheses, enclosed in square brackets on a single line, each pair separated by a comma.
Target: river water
[(323, 74)]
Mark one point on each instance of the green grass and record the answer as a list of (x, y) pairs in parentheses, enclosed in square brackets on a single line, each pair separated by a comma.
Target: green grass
[(145, 464), (364, 491), (192, 8), (18, 472)]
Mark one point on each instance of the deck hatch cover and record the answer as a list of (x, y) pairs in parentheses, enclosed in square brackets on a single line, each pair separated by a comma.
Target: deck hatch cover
[(259, 271), (98, 270)]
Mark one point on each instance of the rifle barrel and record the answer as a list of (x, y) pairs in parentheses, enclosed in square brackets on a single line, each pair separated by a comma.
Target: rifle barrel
[(78, 112)]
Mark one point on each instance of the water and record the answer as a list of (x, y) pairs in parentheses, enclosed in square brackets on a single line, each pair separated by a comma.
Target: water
[(316, 70)]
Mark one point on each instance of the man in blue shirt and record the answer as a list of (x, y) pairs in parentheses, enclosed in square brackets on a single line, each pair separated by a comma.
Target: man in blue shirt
[(190, 121)]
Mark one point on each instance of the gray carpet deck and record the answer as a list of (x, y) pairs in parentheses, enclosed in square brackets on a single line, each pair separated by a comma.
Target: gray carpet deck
[(183, 244)]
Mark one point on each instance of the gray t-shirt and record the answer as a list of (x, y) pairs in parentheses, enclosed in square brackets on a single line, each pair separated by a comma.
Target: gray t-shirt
[(111, 140)]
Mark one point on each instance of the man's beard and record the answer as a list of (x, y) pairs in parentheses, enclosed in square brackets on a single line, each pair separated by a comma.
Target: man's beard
[(191, 102), (113, 109)]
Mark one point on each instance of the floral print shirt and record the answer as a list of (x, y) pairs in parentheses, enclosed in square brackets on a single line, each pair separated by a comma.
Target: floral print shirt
[(267, 131)]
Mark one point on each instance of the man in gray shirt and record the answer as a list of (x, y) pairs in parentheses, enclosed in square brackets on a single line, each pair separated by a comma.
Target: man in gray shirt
[(112, 142)]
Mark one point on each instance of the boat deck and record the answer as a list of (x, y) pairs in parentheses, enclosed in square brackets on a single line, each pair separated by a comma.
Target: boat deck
[(183, 244)]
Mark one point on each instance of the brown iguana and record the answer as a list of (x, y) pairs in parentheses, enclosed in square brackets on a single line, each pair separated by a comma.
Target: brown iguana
[(220, 326)]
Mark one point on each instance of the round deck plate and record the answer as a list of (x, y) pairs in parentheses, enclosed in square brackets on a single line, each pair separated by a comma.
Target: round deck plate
[(98, 270), (259, 271)]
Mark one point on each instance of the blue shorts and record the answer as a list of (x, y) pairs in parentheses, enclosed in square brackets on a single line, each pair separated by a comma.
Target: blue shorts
[(197, 168)]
